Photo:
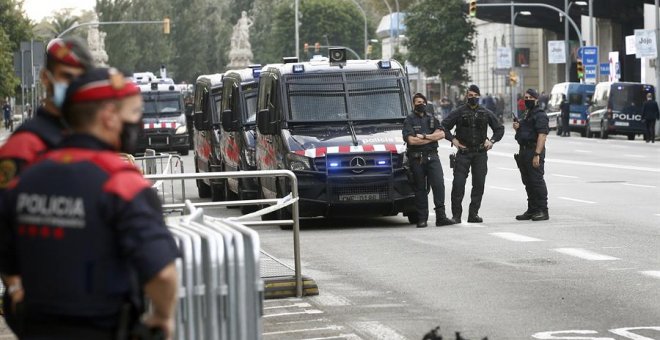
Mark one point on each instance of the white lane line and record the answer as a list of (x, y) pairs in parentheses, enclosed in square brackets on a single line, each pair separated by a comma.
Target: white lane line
[(328, 328), (585, 254), (657, 214), (377, 330), (350, 336), (297, 305), (638, 185), (516, 237), (501, 188), (576, 200), (465, 224), (585, 164), (582, 151), (308, 311), (635, 156), (565, 176), (509, 169), (328, 299), (652, 273)]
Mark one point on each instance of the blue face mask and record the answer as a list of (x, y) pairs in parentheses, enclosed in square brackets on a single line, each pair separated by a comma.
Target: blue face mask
[(59, 92)]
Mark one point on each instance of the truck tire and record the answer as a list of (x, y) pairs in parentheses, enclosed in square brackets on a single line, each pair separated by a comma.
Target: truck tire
[(631, 136), (184, 151)]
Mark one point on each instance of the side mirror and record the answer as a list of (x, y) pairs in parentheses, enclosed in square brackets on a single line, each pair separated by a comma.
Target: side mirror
[(197, 121), (228, 124), (263, 121)]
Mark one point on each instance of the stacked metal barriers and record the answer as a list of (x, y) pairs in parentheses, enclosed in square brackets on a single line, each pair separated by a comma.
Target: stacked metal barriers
[(220, 287)]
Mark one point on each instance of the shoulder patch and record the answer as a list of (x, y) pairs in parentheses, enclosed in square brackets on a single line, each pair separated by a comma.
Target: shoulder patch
[(126, 184), (7, 172), (25, 145)]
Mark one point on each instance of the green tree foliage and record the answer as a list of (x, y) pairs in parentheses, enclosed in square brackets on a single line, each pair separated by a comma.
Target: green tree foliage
[(119, 41), (61, 21), (440, 39), (14, 28), (341, 21)]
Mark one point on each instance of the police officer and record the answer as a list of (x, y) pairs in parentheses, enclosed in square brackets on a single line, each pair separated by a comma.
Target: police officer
[(565, 109), (471, 121), (531, 132), (422, 131), (650, 114), (82, 237), (66, 59)]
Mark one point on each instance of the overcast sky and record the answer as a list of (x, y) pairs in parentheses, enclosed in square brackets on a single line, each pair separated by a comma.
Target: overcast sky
[(38, 9)]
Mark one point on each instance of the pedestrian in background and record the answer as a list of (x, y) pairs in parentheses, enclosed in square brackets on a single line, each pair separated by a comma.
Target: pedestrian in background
[(650, 114), (82, 235), (531, 133), (422, 131), (6, 114), (565, 109), (471, 139)]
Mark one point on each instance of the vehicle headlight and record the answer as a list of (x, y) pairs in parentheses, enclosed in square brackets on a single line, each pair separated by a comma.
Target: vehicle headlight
[(298, 162), (181, 130), (250, 156)]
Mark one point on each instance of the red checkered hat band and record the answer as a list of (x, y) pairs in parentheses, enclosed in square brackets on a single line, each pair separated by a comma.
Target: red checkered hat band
[(104, 90), (63, 53)]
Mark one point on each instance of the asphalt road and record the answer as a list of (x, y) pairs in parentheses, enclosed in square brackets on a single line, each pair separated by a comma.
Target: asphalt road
[(591, 272)]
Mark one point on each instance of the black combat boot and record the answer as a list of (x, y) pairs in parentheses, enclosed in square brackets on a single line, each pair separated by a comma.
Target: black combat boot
[(422, 224), (474, 218), (541, 216), (527, 215), (441, 218)]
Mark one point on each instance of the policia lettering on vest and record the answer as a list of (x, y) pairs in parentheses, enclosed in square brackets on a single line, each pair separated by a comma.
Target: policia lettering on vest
[(531, 133), (422, 131), (471, 121)]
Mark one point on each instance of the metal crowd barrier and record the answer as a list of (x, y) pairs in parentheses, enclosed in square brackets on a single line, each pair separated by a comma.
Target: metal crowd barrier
[(220, 287), (271, 206), (164, 163)]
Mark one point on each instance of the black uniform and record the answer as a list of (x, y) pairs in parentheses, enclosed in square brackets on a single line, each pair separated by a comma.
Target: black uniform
[(534, 122), (84, 230), (471, 130), (650, 114), (565, 109), (425, 165)]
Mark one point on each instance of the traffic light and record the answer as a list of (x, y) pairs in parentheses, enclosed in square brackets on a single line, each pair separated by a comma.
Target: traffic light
[(513, 78), (473, 8), (317, 47), (166, 25), (580, 69), (370, 49), (306, 48)]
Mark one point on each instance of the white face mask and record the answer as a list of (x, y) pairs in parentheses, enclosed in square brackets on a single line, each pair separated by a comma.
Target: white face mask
[(59, 90)]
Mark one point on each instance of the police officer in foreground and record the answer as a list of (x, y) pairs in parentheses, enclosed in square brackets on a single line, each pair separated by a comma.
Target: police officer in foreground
[(531, 133), (471, 139), (66, 59), (422, 131), (82, 236)]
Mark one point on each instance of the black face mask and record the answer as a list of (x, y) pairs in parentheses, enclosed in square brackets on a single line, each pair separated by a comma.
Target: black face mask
[(129, 136), (530, 103), (473, 101), (421, 108)]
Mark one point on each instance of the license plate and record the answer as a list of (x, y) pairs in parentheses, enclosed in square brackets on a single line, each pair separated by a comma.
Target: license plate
[(359, 197), (621, 124)]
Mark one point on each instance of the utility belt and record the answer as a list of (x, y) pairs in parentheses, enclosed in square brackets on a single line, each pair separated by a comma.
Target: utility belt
[(479, 148), (421, 154), (527, 145)]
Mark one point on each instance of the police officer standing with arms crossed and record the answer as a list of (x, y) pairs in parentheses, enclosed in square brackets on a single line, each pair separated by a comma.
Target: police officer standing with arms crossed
[(472, 121), (82, 236), (531, 133), (66, 59), (422, 131)]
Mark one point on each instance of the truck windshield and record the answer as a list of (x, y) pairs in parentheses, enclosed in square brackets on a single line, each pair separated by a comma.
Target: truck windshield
[(356, 96), (628, 98), (155, 104)]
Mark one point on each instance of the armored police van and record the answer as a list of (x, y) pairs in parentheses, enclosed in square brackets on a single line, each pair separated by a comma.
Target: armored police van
[(579, 96), (337, 125), (206, 134), (237, 140), (164, 119), (617, 109)]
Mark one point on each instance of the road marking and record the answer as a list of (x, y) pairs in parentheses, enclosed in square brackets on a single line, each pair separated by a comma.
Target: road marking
[(652, 273), (516, 237), (585, 254), (350, 336), (638, 185), (501, 188), (657, 214), (585, 164), (377, 330), (635, 156), (576, 200), (565, 176), (297, 305), (509, 169), (308, 311), (582, 151), (328, 299), (328, 328)]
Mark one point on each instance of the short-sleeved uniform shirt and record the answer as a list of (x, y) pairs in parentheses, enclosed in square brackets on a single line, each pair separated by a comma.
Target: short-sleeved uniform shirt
[(82, 228), (426, 125), (534, 123)]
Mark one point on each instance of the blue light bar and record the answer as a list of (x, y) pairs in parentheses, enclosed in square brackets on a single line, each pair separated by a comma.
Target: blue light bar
[(298, 68), (382, 162), (385, 64), (256, 72), (334, 164)]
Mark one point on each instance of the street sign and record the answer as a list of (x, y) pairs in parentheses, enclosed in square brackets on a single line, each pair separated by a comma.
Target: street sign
[(590, 74), (615, 69), (645, 44), (630, 45), (604, 69), (589, 55), (504, 57), (556, 52)]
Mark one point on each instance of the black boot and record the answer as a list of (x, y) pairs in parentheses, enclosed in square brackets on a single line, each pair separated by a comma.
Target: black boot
[(527, 215), (541, 216), (422, 224), (441, 218), (474, 218)]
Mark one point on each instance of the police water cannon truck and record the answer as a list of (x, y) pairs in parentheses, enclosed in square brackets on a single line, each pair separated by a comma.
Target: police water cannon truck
[(165, 125)]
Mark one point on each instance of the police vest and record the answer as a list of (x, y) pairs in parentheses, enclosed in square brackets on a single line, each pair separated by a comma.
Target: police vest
[(472, 127)]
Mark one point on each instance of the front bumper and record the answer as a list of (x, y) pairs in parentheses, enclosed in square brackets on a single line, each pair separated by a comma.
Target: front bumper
[(163, 140)]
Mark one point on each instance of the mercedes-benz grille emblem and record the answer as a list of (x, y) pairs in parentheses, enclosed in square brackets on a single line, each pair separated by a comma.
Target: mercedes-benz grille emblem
[(357, 162)]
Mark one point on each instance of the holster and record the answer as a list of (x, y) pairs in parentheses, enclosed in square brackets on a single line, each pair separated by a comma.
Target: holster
[(452, 160), (409, 174), (516, 157)]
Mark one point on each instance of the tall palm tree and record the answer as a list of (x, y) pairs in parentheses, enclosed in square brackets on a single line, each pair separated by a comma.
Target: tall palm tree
[(61, 23)]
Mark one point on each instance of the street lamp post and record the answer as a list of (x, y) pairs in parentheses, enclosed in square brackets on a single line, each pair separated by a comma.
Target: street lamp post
[(567, 9), (296, 5), (514, 14)]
